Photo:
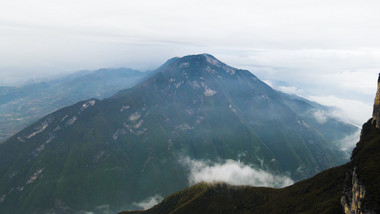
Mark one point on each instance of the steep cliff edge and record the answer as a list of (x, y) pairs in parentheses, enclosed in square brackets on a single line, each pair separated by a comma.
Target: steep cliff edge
[(376, 106), (361, 188), (361, 192)]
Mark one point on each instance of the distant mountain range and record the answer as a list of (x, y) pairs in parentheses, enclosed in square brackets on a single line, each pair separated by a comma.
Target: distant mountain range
[(99, 155), (22, 105)]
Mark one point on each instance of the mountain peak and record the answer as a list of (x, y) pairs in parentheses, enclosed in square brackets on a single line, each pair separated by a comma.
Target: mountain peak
[(198, 71), (207, 57), (206, 62)]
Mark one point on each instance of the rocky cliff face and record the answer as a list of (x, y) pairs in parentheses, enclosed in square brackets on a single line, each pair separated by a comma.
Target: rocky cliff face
[(354, 195), (358, 197), (376, 106)]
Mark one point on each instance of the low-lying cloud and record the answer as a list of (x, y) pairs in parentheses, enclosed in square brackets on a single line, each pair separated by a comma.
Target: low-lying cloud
[(234, 173), (353, 106), (290, 89), (320, 116), (352, 111), (149, 202), (348, 143)]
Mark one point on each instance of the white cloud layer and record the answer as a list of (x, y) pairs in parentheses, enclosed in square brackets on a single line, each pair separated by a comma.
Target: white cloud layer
[(290, 89), (149, 202), (348, 143), (321, 116), (353, 111), (233, 172)]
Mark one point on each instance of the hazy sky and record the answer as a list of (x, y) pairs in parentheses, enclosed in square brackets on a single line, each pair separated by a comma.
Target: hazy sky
[(326, 50)]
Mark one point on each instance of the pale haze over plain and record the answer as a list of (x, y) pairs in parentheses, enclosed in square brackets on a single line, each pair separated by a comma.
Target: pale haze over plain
[(327, 51)]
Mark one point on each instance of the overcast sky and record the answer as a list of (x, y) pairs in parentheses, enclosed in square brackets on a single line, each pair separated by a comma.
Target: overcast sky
[(325, 50)]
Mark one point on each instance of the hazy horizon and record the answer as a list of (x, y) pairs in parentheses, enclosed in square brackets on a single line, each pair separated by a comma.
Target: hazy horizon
[(325, 51)]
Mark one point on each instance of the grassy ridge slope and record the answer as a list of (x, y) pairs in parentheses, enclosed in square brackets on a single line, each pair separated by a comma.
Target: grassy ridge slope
[(319, 194)]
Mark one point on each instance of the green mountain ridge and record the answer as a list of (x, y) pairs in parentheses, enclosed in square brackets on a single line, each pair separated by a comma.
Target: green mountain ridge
[(20, 106), (101, 156), (350, 188)]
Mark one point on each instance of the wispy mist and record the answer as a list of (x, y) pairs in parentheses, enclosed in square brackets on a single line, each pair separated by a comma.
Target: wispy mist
[(233, 172), (320, 116), (149, 202), (349, 142), (349, 110)]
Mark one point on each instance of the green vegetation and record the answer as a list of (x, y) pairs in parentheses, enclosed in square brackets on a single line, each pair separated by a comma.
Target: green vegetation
[(319, 194)]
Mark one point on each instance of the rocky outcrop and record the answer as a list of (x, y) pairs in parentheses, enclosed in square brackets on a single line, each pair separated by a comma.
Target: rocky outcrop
[(376, 106), (354, 195)]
